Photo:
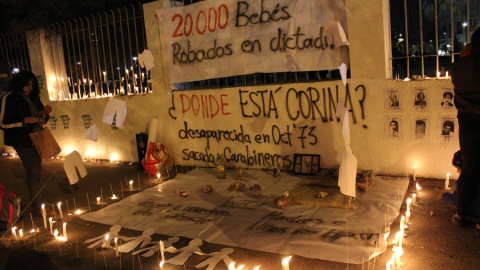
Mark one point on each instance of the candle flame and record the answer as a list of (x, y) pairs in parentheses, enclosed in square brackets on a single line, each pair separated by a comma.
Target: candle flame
[(162, 263), (240, 267), (78, 212), (231, 266), (59, 203), (448, 174), (256, 268), (409, 200), (107, 236), (414, 166), (286, 260)]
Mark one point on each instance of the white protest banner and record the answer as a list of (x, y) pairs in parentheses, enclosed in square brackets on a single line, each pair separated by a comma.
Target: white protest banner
[(220, 38)]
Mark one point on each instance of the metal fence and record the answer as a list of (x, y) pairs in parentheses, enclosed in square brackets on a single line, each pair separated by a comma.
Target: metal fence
[(427, 36), (14, 49), (101, 51)]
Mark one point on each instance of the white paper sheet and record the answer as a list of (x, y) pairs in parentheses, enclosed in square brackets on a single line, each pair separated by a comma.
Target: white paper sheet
[(343, 72), (92, 133), (118, 107), (72, 161), (335, 30), (239, 219), (145, 59), (347, 173), (152, 131)]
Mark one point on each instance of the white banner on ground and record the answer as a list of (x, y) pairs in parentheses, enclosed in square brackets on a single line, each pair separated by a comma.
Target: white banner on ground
[(241, 219), (220, 38)]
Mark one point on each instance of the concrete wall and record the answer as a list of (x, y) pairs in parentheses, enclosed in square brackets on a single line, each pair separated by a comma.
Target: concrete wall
[(368, 33)]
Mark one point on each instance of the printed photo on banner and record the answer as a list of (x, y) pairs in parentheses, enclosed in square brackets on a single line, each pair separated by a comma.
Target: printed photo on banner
[(393, 127), (448, 127), (420, 128), (246, 37), (392, 100), (447, 99), (420, 99)]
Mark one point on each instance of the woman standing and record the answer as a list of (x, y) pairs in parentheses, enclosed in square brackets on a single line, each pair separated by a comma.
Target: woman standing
[(21, 114)]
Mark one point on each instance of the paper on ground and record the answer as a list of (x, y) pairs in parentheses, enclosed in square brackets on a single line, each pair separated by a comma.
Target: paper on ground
[(240, 219)]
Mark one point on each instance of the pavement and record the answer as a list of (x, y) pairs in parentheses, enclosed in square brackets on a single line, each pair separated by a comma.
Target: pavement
[(431, 242)]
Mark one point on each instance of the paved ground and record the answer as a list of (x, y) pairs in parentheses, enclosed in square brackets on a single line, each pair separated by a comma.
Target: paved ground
[(431, 243)]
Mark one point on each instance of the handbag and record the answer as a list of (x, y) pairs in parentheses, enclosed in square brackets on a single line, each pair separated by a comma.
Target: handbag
[(45, 143)]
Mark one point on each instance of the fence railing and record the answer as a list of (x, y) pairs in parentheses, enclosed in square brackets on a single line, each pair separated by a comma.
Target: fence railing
[(100, 53), (13, 48)]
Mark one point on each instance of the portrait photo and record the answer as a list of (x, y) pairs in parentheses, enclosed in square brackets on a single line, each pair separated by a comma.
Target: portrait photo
[(420, 126), (392, 100), (420, 99), (393, 127), (448, 128), (447, 100)]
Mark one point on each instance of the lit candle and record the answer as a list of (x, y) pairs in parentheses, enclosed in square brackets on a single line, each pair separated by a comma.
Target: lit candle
[(414, 200), (55, 234), (256, 268), (130, 185), (20, 233), (399, 238), (241, 267), (402, 223), (398, 252), (162, 250), (116, 246), (447, 181), (158, 175), (44, 215), (231, 266), (407, 215), (446, 74), (414, 177), (59, 204), (418, 189), (65, 231), (107, 240), (389, 267), (285, 265), (114, 197), (98, 201), (51, 224), (161, 265), (14, 233), (409, 201), (78, 212), (104, 76)]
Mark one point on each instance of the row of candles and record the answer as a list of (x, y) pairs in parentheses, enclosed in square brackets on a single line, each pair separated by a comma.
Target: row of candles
[(64, 237), (124, 87), (438, 76), (394, 263)]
